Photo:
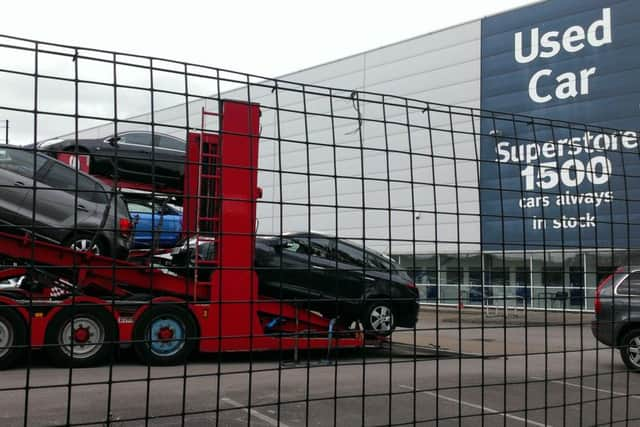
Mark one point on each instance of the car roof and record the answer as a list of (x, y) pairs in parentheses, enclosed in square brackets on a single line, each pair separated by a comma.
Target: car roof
[(120, 134), (134, 193), (311, 234), (627, 269), (149, 132)]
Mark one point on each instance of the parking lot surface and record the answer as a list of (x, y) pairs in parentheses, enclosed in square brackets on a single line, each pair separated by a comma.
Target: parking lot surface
[(545, 373)]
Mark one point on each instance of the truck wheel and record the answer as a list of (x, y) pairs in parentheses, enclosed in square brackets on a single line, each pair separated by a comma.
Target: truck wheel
[(630, 350), (81, 336), (164, 335), (378, 319), (13, 337)]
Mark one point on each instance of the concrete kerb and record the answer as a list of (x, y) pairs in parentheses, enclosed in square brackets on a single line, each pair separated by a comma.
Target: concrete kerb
[(519, 317)]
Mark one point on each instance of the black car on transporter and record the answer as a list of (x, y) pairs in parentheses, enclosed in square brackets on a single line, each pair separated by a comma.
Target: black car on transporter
[(130, 154), (338, 279), (332, 276), (68, 208), (617, 314)]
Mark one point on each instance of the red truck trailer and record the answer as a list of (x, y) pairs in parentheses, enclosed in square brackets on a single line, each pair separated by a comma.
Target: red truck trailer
[(107, 302)]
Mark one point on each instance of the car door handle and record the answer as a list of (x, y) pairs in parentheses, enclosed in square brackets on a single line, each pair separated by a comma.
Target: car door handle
[(19, 183), (371, 279), (317, 267), (82, 208)]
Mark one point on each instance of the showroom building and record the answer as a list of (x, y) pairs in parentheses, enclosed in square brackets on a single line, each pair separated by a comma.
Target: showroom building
[(548, 241)]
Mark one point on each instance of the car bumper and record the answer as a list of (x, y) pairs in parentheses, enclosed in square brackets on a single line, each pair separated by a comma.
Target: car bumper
[(122, 253), (122, 247), (603, 332), (407, 314)]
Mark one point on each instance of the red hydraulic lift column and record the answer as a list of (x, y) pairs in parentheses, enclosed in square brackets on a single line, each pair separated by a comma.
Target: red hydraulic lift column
[(234, 285)]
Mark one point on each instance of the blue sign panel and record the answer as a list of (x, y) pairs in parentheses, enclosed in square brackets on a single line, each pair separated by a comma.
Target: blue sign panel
[(547, 184)]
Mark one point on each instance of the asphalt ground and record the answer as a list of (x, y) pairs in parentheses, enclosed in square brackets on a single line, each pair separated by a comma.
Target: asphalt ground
[(537, 370)]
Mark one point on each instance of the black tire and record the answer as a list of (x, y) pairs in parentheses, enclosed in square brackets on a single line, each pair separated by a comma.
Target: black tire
[(378, 318), (81, 336), (630, 349), (178, 343), (82, 240), (13, 337)]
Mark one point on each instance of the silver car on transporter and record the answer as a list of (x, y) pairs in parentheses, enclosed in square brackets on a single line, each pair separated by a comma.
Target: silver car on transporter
[(68, 207)]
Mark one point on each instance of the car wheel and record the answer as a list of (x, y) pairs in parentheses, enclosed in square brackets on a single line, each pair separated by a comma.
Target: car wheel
[(81, 336), (164, 335), (13, 337), (83, 243), (378, 318), (630, 350)]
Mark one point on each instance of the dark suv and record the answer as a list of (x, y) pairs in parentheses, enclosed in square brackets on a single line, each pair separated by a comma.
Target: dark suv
[(68, 207), (337, 278), (617, 307)]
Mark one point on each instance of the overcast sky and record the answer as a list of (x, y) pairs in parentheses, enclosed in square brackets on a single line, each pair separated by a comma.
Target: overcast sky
[(262, 38), (268, 38)]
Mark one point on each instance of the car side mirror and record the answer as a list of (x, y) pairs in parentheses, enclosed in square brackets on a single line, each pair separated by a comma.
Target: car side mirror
[(113, 140)]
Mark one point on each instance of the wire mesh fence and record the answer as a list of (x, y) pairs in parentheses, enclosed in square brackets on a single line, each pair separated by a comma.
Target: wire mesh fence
[(182, 244)]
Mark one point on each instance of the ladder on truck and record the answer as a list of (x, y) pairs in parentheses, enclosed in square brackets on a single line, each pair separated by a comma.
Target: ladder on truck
[(208, 192), (208, 221)]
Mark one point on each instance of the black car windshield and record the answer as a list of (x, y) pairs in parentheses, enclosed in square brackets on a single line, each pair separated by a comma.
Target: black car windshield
[(374, 259), (159, 140), (380, 261), (345, 252)]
